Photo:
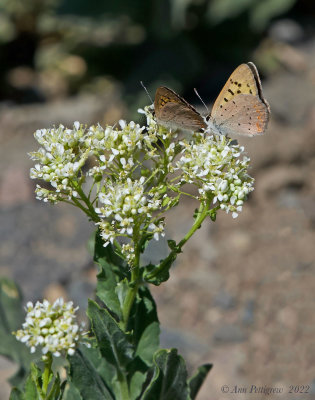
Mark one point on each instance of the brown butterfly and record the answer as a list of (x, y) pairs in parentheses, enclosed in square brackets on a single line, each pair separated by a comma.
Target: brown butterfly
[(240, 107)]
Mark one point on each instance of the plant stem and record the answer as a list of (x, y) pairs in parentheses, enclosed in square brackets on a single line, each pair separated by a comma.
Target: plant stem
[(133, 289), (46, 374), (201, 215), (90, 209)]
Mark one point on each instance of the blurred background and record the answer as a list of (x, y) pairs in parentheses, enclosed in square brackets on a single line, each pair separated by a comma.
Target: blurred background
[(242, 294)]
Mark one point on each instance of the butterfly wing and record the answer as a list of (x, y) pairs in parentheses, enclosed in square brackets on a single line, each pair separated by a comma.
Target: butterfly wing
[(245, 115), (241, 101), (173, 111)]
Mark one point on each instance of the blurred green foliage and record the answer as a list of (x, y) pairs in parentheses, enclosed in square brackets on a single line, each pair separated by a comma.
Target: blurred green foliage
[(55, 48)]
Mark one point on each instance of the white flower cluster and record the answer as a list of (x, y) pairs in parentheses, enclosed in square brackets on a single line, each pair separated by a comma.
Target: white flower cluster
[(126, 206), (65, 151), (137, 173), (117, 150), (59, 161), (51, 327), (214, 165)]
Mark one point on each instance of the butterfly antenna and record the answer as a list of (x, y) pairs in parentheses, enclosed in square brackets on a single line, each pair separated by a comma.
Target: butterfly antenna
[(195, 90), (146, 91)]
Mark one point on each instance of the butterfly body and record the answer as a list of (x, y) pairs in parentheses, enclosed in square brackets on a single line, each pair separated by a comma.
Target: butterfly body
[(240, 107)]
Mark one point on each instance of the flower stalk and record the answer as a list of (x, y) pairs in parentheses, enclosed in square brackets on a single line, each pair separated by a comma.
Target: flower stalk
[(47, 374)]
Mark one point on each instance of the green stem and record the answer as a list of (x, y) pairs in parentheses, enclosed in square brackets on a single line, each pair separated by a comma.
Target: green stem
[(201, 215), (129, 299), (124, 389), (133, 288), (46, 374), (90, 209)]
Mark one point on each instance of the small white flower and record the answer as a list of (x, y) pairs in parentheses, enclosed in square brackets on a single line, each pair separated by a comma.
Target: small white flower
[(122, 123)]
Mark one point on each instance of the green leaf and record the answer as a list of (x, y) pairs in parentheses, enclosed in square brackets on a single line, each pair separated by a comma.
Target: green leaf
[(55, 389), (169, 381), (159, 278), (86, 379), (30, 390), (213, 214), (145, 241), (107, 256), (112, 270), (149, 342), (105, 290), (172, 245), (18, 379), (136, 382), (112, 341), (145, 330), (16, 394), (93, 354), (71, 392), (197, 379), (144, 325), (121, 290), (11, 311), (156, 278)]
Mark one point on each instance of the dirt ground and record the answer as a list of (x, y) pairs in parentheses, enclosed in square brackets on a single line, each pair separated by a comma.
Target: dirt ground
[(242, 294)]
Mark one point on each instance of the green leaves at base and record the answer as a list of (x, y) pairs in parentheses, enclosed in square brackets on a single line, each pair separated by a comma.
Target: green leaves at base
[(112, 341), (169, 378), (169, 381), (144, 326), (16, 394), (86, 380)]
